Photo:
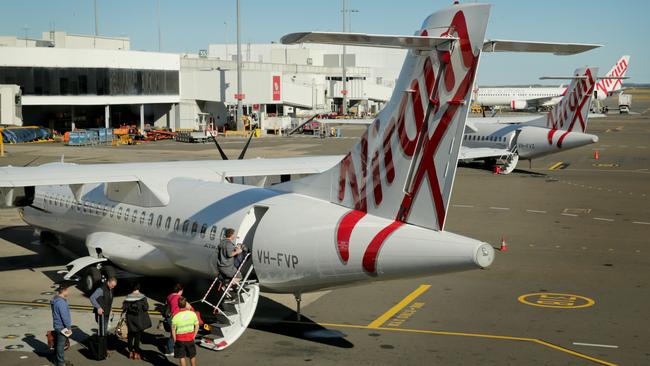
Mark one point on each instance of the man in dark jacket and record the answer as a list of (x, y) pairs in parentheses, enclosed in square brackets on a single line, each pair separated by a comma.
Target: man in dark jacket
[(102, 301), (62, 322)]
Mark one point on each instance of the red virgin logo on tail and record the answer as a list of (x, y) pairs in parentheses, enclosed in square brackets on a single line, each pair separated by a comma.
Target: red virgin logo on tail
[(570, 109), (370, 163), (606, 86)]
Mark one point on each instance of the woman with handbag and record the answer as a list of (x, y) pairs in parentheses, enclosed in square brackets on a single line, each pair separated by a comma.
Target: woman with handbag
[(135, 308)]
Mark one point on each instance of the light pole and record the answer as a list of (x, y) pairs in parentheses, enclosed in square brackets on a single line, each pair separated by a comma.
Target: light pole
[(158, 20), (240, 111), (225, 37), (25, 28), (350, 11), (96, 26), (344, 91)]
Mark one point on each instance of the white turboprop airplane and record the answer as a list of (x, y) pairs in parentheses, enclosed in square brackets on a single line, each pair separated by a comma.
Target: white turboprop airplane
[(505, 140), (539, 97), (377, 213)]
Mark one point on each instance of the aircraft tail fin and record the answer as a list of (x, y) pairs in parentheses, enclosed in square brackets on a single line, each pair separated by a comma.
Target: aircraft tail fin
[(606, 87), (572, 112), (404, 166)]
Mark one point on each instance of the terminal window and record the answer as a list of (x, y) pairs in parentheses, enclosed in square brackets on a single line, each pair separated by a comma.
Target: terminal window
[(90, 81)]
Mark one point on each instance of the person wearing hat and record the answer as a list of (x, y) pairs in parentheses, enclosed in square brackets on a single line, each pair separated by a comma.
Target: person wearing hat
[(62, 323)]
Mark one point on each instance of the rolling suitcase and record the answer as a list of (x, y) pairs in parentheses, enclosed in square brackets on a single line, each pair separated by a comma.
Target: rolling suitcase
[(98, 343), (98, 347)]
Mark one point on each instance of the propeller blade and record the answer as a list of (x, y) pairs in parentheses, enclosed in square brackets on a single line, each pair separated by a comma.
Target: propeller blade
[(32, 161), (243, 152), (223, 154)]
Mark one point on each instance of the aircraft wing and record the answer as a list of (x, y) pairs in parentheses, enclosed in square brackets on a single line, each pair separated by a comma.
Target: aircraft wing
[(345, 121), (506, 120), (67, 173), (467, 153), (149, 180)]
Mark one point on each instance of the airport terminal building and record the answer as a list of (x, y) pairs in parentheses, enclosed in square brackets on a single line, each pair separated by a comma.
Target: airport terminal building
[(65, 81)]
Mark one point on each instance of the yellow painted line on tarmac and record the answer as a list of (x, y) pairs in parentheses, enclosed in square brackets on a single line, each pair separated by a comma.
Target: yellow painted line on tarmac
[(71, 306), (574, 353), (556, 165), (400, 305), (462, 334)]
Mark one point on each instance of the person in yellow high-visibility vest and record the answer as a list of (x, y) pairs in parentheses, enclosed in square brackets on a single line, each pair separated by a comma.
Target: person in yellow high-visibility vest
[(185, 325)]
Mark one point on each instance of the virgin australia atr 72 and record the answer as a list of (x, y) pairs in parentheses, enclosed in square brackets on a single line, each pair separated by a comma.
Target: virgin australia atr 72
[(378, 213)]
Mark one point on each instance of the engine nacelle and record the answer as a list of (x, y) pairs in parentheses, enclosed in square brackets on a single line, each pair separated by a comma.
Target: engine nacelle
[(518, 104), (131, 254)]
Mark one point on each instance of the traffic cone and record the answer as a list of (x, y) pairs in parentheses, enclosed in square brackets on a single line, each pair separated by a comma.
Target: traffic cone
[(504, 246), (596, 155)]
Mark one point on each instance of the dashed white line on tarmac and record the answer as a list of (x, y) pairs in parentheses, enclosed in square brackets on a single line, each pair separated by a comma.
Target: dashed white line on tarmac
[(594, 345), (568, 214), (641, 222), (602, 219), (466, 206), (536, 211), (499, 208)]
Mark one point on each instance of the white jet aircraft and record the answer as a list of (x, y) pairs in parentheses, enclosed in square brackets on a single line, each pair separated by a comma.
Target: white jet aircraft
[(539, 97), (504, 140), (378, 213)]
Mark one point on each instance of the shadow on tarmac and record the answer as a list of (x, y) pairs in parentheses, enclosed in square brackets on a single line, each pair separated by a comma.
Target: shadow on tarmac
[(273, 317)]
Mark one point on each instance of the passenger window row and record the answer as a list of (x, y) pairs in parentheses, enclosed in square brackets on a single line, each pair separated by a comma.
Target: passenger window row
[(484, 138), (191, 228)]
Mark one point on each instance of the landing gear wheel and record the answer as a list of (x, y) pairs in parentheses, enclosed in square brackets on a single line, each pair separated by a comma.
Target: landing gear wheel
[(89, 279)]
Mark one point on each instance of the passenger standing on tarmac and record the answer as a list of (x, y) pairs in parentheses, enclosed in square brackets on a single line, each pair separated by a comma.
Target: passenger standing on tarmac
[(102, 301), (228, 252), (185, 326), (172, 309), (62, 323), (135, 306)]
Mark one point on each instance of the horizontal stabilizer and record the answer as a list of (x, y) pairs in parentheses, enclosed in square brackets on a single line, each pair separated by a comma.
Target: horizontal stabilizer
[(502, 45), (578, 77), (368, 40)]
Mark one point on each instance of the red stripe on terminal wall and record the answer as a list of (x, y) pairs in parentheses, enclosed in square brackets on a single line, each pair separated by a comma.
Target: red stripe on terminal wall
[(372, 251), (344, 232)]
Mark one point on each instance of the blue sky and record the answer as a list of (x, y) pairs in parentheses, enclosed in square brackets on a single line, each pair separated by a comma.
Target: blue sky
[(189, 25)]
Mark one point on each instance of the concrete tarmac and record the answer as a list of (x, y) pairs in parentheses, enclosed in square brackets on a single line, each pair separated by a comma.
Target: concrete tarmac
[(572, 288)]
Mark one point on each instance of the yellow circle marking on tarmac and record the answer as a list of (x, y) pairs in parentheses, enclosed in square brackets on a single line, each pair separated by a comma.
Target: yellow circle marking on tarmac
[(555, 300)]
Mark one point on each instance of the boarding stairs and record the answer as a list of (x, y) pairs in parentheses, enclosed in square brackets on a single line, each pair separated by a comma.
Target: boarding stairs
[(234, 309), (508, 162)]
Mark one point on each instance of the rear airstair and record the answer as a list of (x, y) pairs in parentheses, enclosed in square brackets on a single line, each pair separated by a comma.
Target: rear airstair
[(233, 310), (508, 162)]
